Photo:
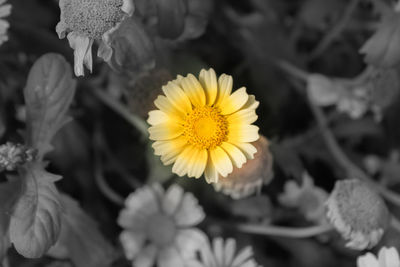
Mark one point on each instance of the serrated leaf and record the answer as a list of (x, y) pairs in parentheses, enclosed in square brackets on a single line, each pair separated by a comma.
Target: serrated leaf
[(36, 221), (9, 192), (382, 49), (48, 94), (81, 239)]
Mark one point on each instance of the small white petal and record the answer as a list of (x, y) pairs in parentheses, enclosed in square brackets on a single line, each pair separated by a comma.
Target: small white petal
[(368, 260), (82, 46), (170, 257), (389, 257), (190, 213), (147, 257), (132, 242), (172, 199)]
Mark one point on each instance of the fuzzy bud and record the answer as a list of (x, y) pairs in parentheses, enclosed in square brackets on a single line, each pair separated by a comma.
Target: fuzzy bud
[(358, 213)]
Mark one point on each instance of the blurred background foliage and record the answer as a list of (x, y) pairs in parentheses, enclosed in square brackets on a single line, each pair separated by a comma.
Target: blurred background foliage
[(244, 39)]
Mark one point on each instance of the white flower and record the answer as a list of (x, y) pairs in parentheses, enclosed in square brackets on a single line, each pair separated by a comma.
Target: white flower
[(84, 21), (387, 257), (223, 254), (5, 10), (159, 227)]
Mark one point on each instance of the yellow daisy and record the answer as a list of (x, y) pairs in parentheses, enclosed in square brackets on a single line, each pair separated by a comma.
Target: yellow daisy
[(201, 126)]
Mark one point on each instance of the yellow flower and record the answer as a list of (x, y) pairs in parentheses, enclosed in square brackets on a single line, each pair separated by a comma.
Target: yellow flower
[(202, 127)]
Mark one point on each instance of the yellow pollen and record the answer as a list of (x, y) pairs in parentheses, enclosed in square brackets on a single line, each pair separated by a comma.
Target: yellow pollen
[(205, 127)]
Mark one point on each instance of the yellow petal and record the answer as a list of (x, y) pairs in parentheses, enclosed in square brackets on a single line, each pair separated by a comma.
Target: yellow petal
[(208, 80), (193, 90), (248, 149), (244, 116), (210, 173), (251, 103), (165, 131), (177, 97), (169, 146), (234, 102), (167, 107), (197, 163), (235, 154), (242, 133), (221, 161), (157, 117), (225, 84), (181, 165)]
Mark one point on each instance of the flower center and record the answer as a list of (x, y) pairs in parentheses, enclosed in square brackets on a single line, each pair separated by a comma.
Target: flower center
[(161, 230), (91, 18), (205, 127)]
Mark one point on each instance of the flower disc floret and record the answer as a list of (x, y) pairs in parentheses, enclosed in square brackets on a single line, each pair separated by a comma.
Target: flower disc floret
[(91, 18), (205, 127), (202, 127)]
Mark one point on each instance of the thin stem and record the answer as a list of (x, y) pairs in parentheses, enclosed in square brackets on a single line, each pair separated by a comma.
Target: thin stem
[(101, 183), (335, 31), (129, 178), (292, 70), (120, 109), (352, 169), (281, 231)]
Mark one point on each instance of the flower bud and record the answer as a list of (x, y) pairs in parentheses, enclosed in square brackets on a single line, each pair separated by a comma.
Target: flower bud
[(253, 174), (143, 91), (358, 213), (14, 155)]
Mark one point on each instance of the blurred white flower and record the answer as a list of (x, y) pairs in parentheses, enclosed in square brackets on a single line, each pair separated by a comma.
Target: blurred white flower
[(5, 10), (308, 198), (159, 227), (223, 254), (387, 257)]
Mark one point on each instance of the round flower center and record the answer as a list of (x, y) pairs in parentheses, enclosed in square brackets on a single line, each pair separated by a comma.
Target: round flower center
[(205, 127), (161, 230), (91, 18)]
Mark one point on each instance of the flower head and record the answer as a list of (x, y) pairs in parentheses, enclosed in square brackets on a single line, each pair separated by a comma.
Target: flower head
[(87, 20), (308, 198), (5, 10), (253, 174), (223, 254), (159, 226), (358, 213), (202, 127), (387, 257), (14, 155)]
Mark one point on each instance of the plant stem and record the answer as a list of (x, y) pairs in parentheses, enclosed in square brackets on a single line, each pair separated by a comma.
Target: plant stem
[(335, 31), (120, 109), (281, 231), (353, 171), (101, 183)]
